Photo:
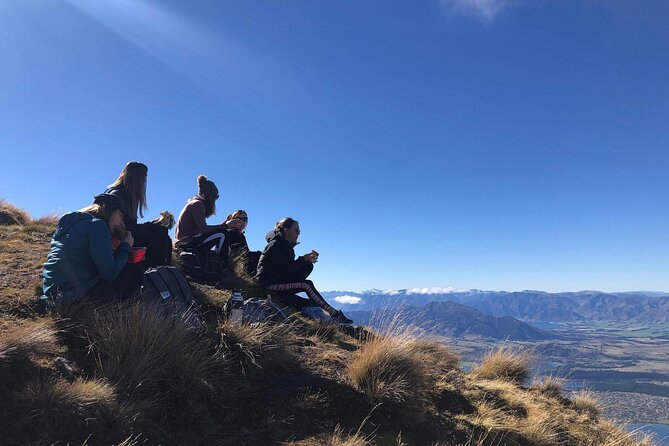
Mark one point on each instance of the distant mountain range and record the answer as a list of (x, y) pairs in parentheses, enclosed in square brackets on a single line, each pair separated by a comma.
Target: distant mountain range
[(453, 320), (529, 306)]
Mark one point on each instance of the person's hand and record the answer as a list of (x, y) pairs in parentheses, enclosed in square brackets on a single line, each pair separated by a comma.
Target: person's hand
[(312, 257), (236, 223), (129, 239)]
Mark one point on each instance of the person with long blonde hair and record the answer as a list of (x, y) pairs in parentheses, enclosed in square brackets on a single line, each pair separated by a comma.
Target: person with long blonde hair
[(130, 187)]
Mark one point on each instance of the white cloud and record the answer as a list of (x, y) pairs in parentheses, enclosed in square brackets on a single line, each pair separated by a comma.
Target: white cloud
[(433, 290), (484, 9), (348, 300)]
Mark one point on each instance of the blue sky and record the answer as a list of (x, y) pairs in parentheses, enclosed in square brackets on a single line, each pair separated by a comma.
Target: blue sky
[(487, 144)]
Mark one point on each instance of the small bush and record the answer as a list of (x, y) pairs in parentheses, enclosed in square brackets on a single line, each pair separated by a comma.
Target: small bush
[(256, 349), (549, 385), (26, 340), (12, 215), (505, 364), (584, 401), (390, 368), (441, 358), (158, 362), (338, 438), (44, 225), (57, 410)]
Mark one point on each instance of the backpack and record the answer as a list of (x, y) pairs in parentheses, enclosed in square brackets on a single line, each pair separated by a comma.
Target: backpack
[(169, 285), (260, 310), (201, 263)]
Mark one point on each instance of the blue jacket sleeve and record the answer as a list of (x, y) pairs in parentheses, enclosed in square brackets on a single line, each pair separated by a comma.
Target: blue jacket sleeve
[(108, 263)]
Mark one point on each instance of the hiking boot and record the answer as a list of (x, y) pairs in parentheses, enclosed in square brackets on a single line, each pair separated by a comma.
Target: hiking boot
[(339, 317)]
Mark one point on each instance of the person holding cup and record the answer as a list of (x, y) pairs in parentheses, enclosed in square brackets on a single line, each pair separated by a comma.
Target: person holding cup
[(279, 270)]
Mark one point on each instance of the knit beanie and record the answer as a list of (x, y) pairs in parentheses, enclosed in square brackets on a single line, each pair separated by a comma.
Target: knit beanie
[(206, 187)]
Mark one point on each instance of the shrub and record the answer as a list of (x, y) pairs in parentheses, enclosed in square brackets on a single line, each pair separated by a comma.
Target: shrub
[(549, 385), (505, 364), (44, 225), (25, 340), (256, 349), (390, 368), (55, 410), (441, 358), (584, 401), (157, 361), (12, 215)]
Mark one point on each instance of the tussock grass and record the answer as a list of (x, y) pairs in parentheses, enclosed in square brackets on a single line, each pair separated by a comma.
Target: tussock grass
[(584, 401), (55, 410), (257, 349), (157, 361), (25, 340), (45, 225), (12, 215), (549, 385), (390, 368), (439, 356), (505, 363)]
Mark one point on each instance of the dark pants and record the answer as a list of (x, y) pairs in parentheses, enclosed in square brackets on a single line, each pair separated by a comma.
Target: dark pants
[(224, 242), (125, 286)]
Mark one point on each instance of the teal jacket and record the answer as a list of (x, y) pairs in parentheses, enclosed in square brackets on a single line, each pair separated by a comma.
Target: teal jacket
[(81, 254)]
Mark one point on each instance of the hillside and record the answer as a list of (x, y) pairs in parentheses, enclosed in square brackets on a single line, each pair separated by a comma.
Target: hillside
[(455, 320), (129, 374)]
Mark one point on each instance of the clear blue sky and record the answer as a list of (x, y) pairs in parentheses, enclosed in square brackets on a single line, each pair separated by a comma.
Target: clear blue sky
[(485, 144)]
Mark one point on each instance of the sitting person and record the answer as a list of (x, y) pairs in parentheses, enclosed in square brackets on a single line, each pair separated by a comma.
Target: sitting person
[(130, 187), (278, 270), (82, 262), (236, 246), (193, 233)]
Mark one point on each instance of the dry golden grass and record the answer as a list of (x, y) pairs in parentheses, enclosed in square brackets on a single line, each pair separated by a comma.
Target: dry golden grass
[(168, 371), (505, 363), (549, 385), (257, 349), (54, 410), (139, 345), (584, 401), (25, 340), (12, 215), (390, 368), (440, 357)]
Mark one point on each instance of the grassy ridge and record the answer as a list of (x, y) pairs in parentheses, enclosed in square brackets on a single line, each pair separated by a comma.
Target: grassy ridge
[(132, 374)]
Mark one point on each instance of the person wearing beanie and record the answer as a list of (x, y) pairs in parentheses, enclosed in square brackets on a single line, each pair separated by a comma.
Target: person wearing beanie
[(192, 231), (81, 261)]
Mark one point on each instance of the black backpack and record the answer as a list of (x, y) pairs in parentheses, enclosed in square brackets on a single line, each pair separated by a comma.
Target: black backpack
[(167, 284)]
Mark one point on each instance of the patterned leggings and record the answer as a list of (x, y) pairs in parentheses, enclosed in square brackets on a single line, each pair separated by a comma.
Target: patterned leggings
[(306, 286)]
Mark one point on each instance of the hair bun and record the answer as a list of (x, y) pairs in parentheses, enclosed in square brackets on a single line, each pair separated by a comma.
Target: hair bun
[(201, 179)]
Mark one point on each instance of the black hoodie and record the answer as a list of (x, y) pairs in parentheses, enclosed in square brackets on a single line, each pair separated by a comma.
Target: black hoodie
[(277, 263)]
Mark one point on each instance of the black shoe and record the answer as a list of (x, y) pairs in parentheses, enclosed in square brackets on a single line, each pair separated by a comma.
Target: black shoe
[(339, 317)]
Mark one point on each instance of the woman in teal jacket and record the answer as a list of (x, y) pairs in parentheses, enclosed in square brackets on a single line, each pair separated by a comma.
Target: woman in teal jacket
[(81, 260)]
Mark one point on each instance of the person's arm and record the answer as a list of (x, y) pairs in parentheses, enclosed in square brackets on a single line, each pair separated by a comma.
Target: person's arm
[(199, 217), (285, 262), (108, 263)]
